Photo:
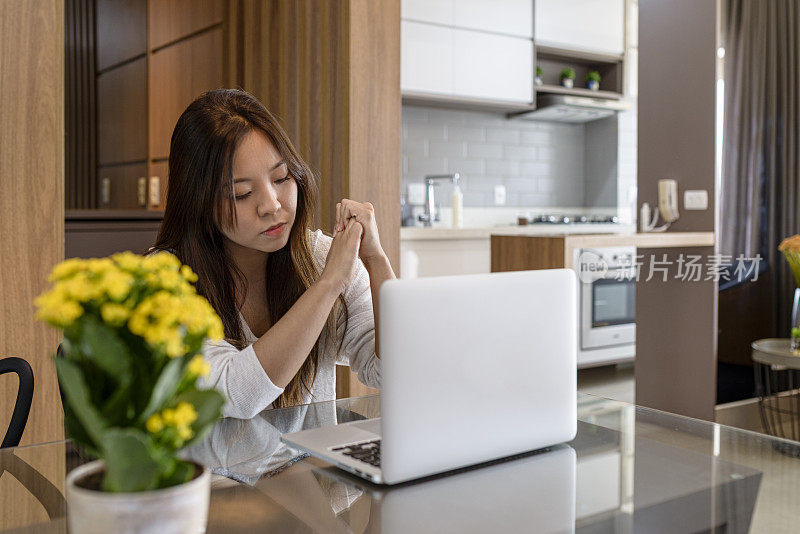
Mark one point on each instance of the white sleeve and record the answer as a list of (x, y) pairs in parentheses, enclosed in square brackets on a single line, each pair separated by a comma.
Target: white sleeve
[(239, 376), (358, 345)]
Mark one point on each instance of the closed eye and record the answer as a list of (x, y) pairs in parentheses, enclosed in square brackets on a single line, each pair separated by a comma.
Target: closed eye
[(243, 196)]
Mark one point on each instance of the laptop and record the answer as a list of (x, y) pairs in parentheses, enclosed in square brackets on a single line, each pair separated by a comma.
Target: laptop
[(474, 368)]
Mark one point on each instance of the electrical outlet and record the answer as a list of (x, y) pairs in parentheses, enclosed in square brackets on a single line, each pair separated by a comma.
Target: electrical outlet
[(695, 199), (499, 195)]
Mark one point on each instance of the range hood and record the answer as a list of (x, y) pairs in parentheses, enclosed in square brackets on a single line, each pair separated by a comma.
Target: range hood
[(569, 108)]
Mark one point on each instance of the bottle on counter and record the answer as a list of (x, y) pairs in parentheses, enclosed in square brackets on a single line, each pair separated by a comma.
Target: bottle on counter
[(458, 205)]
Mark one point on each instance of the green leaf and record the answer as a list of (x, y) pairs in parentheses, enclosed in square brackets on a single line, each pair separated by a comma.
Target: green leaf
[(104, 347), (165, 387), (208, 403), (75, 430), (116, 410), (183, 472), (130, 465), (77, 395)]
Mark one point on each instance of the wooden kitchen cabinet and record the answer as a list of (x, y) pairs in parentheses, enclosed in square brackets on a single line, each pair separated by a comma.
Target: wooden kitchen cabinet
[(178, 74), (581, 25), (172, 20), (152, 58), (122, 114)]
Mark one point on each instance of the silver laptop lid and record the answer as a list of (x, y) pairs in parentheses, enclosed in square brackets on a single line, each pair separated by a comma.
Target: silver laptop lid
[(475, 367)]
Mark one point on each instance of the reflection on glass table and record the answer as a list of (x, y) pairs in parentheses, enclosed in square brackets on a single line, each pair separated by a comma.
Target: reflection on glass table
[(630, 469)]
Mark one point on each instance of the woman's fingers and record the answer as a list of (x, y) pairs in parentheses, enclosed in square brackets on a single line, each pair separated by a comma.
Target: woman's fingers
[(337, 225)]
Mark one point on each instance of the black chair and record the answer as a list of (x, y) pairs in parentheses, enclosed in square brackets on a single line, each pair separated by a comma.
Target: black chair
[(22, 406), (745, 300)]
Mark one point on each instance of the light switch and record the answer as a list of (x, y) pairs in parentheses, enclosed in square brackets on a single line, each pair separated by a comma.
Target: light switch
[(155, 191), (499, 195), (105, 191), (696, 199), (142, 192)]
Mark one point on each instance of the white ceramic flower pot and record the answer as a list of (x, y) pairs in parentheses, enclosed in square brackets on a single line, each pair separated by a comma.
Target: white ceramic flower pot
[(593, 85), (566, 82), (538, 80), (179, 509)]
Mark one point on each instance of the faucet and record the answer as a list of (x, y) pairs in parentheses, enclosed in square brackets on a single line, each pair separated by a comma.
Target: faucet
[(431, 213)]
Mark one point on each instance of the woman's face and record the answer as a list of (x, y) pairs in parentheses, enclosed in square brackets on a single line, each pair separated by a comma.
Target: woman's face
[(266, 196)]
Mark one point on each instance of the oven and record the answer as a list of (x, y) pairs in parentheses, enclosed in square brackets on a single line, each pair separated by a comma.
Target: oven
[(607, 304)]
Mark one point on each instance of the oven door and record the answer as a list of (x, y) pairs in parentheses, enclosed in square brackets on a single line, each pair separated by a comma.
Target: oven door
[(608, 311)]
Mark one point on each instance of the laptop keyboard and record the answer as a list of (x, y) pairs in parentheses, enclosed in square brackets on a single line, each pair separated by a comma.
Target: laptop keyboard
[(368, 451)]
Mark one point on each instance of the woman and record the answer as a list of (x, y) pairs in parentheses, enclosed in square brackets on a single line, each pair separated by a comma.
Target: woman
[(293, 302)]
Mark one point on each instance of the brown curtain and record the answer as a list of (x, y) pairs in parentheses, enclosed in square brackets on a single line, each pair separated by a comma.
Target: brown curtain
[(760, 171)]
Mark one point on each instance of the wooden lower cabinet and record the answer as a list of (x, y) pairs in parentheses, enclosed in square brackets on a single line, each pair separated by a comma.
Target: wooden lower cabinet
[(97, 233)]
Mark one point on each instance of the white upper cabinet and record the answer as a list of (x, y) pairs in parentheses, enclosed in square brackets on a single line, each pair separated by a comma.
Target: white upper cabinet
[(465, 63), (435, 11), (427, 53), (581, 25), (468, 48), (510, 17), (493, 66)]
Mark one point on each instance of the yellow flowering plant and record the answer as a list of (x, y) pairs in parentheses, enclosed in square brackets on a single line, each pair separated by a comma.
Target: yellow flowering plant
[(133, 331)]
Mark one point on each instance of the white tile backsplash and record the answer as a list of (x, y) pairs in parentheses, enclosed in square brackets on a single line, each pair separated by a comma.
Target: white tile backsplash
[(542, 164)]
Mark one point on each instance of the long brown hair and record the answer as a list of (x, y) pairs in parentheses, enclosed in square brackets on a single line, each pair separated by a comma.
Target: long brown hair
[(200, 181)]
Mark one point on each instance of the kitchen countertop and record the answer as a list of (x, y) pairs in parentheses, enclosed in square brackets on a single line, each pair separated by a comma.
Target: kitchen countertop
[(414, 233), (512, 252)]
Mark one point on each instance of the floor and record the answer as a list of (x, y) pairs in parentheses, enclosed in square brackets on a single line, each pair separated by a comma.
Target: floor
[(610, 382)]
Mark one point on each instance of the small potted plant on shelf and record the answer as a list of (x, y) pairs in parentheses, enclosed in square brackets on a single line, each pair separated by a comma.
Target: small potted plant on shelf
[(593, 80), (539, 73), (567, 77), (133, 330)]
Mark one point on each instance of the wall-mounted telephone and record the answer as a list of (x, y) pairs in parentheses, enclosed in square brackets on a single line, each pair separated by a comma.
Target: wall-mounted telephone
[(668, 200), (667, 207)]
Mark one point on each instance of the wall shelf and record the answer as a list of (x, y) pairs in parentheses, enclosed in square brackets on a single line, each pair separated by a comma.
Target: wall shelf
[(578, 91)]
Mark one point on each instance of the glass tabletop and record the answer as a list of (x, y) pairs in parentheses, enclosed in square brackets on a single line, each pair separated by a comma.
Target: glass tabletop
[(629, 469)]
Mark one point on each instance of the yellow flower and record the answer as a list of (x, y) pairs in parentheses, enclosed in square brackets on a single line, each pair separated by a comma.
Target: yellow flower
[(65, 269), (790, 244), (117, 284), (175, 346), (81, 288), (198, 366), (55, 307), (185, 414), (114, 314), (169, 279), (154, 424), (185, 433), (99, 265), (161, 260), (128, 260), (169, 416), (188, 273)]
